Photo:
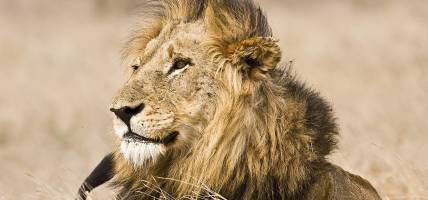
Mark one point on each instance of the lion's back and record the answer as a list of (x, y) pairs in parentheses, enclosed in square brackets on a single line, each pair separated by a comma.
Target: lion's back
[(334, 183)]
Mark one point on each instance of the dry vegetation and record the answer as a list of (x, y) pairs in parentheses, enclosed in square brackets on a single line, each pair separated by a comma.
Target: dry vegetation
[(60, 65)]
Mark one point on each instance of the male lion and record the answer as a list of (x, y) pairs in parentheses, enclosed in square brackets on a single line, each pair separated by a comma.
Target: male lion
[(207, 112)]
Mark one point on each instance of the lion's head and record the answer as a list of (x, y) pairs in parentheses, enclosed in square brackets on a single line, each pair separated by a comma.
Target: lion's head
[(206, 103)]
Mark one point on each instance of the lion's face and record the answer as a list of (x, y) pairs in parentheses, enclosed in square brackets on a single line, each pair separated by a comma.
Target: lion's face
[(169, 94)]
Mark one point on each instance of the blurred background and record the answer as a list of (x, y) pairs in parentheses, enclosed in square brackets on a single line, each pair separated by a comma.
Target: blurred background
[(60, 66)]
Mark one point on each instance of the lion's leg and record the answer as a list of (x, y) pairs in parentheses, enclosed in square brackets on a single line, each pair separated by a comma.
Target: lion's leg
[(102, 173)]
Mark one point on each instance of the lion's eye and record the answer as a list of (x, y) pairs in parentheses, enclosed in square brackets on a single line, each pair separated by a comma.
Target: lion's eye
[(179, 63), (135, 67)]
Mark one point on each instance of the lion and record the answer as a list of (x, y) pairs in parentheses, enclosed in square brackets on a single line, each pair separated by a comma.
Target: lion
[(208, 111)]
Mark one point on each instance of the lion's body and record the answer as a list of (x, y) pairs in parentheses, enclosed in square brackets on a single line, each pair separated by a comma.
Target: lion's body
[(243, 127), (334, 183)]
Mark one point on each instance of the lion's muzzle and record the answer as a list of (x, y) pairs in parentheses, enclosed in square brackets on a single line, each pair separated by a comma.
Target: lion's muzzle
[(145, 127)]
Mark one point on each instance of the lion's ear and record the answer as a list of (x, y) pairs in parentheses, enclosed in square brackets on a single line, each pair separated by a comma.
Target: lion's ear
[(255, 56)]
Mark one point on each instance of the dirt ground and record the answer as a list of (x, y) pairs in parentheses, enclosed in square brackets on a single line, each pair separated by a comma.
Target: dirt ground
[(60, 66)]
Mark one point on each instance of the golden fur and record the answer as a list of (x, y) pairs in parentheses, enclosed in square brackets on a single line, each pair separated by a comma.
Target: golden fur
[(254, 132)]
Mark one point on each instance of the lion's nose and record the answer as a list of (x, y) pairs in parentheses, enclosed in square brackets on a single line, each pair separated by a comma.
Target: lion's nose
[(125, 113)]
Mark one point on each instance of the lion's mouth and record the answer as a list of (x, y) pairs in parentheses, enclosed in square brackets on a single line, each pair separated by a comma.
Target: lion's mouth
[(138, 138)]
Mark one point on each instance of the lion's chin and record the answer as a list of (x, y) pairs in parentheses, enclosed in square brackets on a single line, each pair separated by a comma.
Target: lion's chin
[(140, 153), (140, 150)]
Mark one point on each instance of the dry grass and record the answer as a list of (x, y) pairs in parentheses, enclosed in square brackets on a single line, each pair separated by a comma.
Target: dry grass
[(59, 67)]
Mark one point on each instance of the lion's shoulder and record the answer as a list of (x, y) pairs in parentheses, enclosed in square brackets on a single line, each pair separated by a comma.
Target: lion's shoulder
[(335, 183)]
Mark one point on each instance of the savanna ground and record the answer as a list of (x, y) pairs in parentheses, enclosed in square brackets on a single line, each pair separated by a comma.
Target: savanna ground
[(60, 66)]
